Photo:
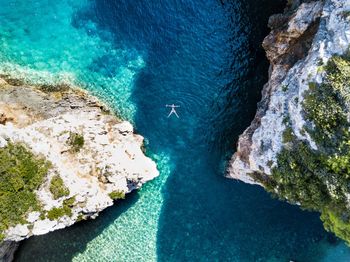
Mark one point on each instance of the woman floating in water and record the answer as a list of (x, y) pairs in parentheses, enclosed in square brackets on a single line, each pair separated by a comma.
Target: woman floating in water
[(173, 111)]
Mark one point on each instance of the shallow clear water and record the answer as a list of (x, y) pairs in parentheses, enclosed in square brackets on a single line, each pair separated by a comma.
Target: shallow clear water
[(139, 55)]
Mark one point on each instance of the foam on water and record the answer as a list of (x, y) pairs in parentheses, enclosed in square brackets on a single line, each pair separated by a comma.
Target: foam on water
[(44, 42)]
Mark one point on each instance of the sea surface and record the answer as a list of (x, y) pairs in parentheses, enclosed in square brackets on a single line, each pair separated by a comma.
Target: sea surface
[(138, 56)]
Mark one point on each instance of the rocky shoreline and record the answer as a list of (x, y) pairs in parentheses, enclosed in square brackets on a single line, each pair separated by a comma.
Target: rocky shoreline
[(95, 158), (297, 145), (305, 34), (7, 250)]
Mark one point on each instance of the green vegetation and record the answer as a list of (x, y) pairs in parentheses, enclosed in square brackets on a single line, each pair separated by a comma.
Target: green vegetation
[(65, 210), (75, 141), (288, 135), (57, 212), (57, 187), (80, 218), (2, 236), (319, 179), (286, 120), (42, 215), (334, 223), (69, 202), (328, 116), (21, 173), (117, 195), (346, 14)]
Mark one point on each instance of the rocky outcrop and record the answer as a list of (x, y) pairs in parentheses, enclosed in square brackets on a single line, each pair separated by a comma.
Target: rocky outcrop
[(306, 35), (105, 163), (7, 250), (298, 145), (292, 34)]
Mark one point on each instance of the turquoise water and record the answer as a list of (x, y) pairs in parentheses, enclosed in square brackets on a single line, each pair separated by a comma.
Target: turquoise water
[(139, 55), (43, 42)]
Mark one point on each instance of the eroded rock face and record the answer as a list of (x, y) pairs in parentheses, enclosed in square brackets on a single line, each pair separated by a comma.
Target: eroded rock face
[(7, 250), (110, 160), (305, 36), (292, 34)]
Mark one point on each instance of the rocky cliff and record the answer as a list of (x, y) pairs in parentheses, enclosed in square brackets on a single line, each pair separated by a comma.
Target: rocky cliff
[(7, 250), (297, 146), (64, 158)]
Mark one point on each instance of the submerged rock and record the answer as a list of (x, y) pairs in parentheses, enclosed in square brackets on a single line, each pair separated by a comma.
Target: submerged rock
[(93, 157)]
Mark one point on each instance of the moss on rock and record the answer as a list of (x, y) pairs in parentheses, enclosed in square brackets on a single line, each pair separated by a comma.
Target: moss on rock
[(117, 195), (75, 141)]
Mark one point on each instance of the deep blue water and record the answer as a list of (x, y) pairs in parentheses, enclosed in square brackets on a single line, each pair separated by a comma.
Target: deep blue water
[(205, 56)]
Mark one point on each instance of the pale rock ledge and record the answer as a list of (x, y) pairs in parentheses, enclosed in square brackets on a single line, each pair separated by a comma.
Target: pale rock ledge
[(111, 159), (305, 35)]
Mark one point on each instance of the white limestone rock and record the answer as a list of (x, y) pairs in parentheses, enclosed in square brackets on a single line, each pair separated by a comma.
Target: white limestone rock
[(260, 144), (111, 158)]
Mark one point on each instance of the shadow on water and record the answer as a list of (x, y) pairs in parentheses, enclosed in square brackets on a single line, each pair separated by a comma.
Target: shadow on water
[(204, 215), (63, 245)]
